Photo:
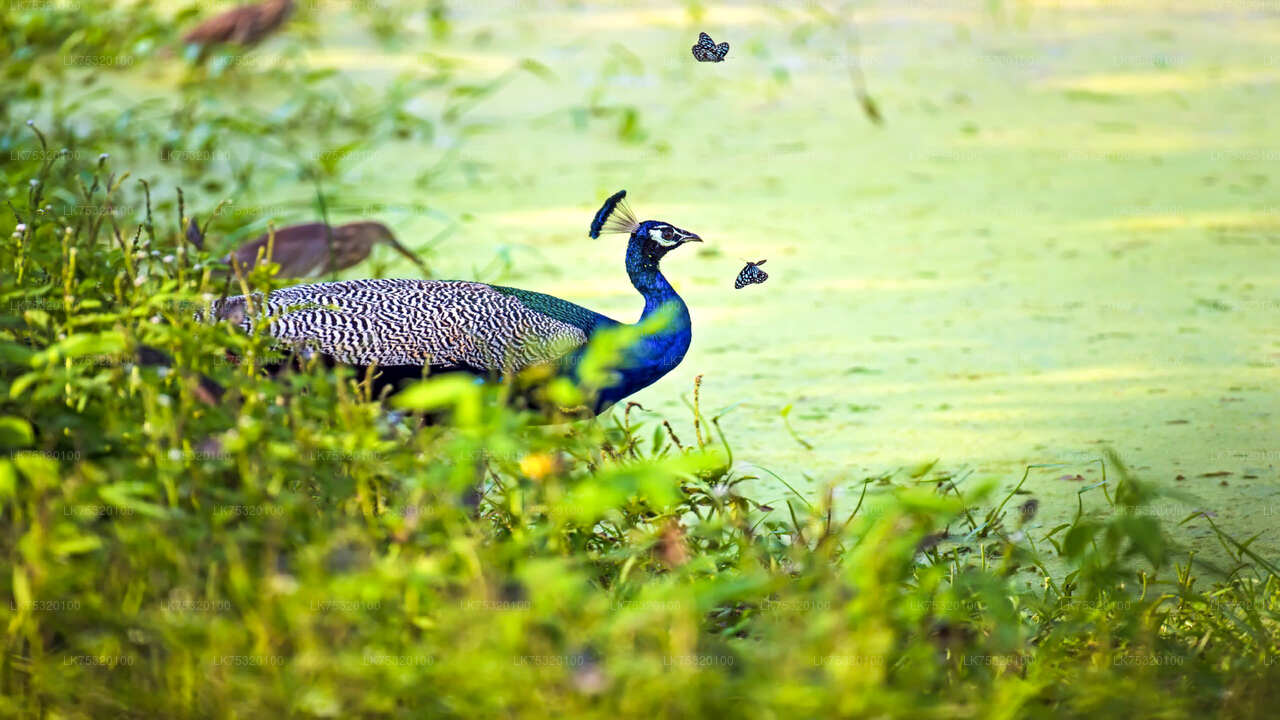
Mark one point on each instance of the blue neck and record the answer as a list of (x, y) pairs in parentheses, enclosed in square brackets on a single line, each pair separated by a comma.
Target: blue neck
[(648, 279), (661, 350)]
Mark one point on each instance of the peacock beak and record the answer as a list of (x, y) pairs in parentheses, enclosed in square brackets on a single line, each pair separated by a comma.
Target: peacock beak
[(691, 237)]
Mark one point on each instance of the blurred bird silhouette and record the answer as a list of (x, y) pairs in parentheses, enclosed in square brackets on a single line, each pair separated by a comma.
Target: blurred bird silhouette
[(308, 251), (194, 236), (243, 25)]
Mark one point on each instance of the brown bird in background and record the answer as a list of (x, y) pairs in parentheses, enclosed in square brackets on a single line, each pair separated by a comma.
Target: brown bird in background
[(671, 547), (243, 25), (305, 250)]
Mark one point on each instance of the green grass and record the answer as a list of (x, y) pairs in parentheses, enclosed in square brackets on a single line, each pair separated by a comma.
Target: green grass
[(300, 553), (298, 550)]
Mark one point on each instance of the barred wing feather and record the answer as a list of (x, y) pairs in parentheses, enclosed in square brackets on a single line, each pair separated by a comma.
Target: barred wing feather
[(443, 324)]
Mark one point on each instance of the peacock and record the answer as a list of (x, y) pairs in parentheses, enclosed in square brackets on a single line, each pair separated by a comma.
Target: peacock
[(408, 328)]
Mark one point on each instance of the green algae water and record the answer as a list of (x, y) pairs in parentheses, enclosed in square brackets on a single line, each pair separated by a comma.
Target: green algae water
[(1061, 240), (1013, 248)]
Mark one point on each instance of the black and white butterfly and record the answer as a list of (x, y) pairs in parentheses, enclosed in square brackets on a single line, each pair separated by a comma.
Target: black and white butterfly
[(708, 51), (750, 275)]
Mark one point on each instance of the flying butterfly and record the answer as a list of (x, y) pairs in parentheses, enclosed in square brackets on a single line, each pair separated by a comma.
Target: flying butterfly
[(750, 275), (708, 51)]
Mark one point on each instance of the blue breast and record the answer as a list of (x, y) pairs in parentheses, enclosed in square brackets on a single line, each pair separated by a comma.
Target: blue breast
[(652, 357), (660, 351)]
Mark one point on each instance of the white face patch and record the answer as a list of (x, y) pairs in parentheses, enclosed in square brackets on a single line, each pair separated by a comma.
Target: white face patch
[(656, 235)]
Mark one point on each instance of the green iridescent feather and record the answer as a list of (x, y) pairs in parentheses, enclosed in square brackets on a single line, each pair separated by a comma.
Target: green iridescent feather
[(561, 310)]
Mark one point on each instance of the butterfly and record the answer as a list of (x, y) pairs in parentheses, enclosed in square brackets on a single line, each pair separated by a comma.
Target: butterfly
[(750, 275), (708, 51)]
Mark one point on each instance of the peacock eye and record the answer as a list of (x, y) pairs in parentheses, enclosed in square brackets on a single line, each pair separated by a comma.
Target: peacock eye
[(666, 233)]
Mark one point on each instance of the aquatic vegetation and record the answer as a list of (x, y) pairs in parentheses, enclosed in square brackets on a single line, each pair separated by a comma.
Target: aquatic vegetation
[(298, 546)]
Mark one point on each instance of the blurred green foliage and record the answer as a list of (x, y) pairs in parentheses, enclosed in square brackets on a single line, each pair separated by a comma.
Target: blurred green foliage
[(298, 549)]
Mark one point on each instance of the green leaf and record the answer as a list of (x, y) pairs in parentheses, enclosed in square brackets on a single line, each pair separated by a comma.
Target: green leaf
[(75, 545), (21, 588), (40, 470), (919, 471), (128, 496), (82, 345), (1143, 531), (536, 68), (563, 393), (15, 354), (1078, 538), (15, 432), (8, 479), (459, 393), (23, 382)]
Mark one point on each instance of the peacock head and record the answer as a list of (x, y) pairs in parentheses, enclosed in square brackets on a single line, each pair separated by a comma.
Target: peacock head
[(652, 238), (657, 238)]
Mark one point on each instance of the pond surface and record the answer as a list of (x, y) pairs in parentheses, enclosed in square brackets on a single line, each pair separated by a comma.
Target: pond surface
[(1063, 239)]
